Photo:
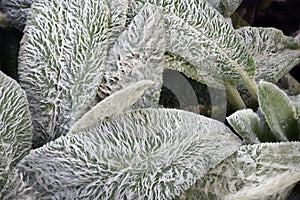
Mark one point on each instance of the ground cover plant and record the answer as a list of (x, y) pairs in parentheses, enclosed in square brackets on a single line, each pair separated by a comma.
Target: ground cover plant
[(83, 118)]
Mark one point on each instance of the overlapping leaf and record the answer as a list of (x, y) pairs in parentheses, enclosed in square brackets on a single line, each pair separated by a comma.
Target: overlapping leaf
[(60, 60), (15, 126), (247, 124), (274, 53), (112, 105), (278, 110), (142, 154), (260, 171), (137, 55), (200, 35)]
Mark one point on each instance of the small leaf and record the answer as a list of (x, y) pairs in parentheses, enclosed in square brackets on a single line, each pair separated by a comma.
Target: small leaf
[(137, 55), (142, 154), (274, 53), (259, 171), (15, 126), (225, 7), (60, 62), (278, 110), (247, 124), (112, 105)]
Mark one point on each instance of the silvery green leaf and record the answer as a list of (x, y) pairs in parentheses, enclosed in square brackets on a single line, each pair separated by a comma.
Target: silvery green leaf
[(247, 124), (137, 55), (112, 105), (200, 35), (274, 53), (225, 7), (175, 62), (259, 171), (142, 154), (278, 110), (15, 126), (117, 18), (15, 11), (60, 62)]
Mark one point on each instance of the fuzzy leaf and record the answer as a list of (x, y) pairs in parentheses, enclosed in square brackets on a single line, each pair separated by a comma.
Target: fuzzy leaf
[(247, 124), (225, 7), (279, 111), (137, 55), (112, 105), (274, 53), (200, 35), (15, 126), (117, 18), (175, 62), (142, 154), (60, 62), (259, 171)]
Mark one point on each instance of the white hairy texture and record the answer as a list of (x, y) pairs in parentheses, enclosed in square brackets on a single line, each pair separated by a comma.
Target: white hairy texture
[(111, 106), (137, 55), (200, 35), (15, 126), (259, 171), (274, 54), (117, 18), (143, 154), (279, 111), (60, 62), (247, 124)]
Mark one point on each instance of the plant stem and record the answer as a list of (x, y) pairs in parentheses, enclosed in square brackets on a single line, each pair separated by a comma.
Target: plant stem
[(234, 97)]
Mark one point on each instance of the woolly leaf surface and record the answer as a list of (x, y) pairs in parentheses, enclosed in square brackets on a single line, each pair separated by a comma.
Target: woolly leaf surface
[(137, 55), (60, 62), (15, 126), (142, 154), (259, 171), (274, 54)]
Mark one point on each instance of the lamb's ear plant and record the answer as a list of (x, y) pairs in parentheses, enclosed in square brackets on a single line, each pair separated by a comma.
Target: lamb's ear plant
[(15, 126), (75, 53), (137, 54), (199, 34), (141, 154), (274, 54), (60, 63), (259, 171)]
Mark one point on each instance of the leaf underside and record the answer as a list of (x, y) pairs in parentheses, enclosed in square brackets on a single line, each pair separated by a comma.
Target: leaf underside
[(279, 111), (259, 171), (111, 106), (15, 126), (60, 62), (247, 124), (142, 154), (137, 55)]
